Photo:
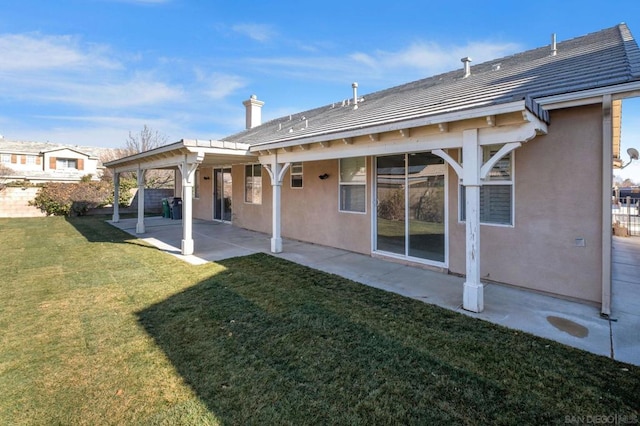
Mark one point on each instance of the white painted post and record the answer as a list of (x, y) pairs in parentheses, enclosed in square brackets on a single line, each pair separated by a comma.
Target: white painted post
[(116, 197), (276, 187), (188, 172), (473, 292), (607, 219), (140, 229)]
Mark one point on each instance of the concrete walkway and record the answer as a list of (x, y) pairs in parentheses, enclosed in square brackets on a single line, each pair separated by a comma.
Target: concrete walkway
[(574, 324)]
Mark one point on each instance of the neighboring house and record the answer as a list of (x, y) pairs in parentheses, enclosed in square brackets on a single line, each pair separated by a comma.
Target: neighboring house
[(39, 162), (468, 172)]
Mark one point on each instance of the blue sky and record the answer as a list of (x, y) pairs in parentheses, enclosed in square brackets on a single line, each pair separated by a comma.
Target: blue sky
[(87, 72)]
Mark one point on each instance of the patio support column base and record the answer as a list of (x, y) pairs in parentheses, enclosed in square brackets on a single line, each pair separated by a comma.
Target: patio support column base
[(187, 247), (276, 245), (473, 297)]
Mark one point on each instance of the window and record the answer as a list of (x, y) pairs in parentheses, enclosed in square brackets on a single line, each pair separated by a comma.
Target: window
[(296, 175), (66, 163), (496, 193), (253, 184), (31, 159), (5, 158), (353, 183), (196, 184)]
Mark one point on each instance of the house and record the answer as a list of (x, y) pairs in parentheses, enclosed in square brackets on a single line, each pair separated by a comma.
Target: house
[(464, 172), (39, 162)]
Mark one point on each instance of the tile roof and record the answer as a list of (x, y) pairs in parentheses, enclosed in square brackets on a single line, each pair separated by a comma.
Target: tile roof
[(604, 58)]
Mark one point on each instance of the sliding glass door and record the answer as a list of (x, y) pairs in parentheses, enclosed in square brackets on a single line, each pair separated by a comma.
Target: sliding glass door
[(222, 194), (410, 192)]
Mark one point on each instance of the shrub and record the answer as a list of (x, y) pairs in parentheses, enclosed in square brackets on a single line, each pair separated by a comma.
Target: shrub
[(71, 199), (124, 191)]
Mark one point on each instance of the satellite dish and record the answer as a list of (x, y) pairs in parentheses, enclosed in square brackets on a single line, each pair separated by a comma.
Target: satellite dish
[(633, 153)]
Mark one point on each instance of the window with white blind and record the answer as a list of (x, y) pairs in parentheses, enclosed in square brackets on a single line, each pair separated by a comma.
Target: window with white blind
[(353, 185), (496, 193)]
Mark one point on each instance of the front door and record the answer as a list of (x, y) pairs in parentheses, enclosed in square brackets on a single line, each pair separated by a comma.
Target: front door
[(410, 195), (222, 194)]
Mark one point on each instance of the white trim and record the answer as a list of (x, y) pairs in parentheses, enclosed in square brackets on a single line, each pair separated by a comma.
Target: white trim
[(588, 97), (607, 154)]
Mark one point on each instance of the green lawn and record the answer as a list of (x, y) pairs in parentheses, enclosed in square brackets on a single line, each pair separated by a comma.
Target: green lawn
[(98, 328)]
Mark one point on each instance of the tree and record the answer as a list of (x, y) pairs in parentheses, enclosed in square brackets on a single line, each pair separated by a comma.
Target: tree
[(5, 172), (144, 141), (627, 183), (136, 143)]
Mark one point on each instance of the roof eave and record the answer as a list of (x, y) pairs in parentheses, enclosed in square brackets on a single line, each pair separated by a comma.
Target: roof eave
[(590, 96), (446, 117)]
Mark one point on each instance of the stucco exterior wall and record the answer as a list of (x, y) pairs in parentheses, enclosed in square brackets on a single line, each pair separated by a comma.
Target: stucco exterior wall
[(256, 217), (558, 182), (309, 213), (203, 205)]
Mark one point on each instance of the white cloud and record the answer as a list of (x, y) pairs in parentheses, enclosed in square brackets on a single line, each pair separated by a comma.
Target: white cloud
[(417, 60), (432, 58), (258, 32), (144, 2), (64, 70), (30, 52), (219, 85)]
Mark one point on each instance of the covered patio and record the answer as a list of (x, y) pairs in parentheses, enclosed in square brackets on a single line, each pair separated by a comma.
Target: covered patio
[(572, 323)]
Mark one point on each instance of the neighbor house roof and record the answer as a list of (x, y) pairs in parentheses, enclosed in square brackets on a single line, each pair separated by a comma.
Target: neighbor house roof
[(36, 148), (605, 58)]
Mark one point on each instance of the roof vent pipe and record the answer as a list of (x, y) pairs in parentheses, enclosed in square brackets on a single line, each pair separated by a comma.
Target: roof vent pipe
[(467, 66), (355, 95), (554, 49)]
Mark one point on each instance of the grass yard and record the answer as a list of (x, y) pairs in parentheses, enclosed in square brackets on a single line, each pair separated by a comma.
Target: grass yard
[(98, 328)]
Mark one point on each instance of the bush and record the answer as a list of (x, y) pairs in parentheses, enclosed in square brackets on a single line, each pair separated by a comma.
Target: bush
[(72, 199), (124, 191)]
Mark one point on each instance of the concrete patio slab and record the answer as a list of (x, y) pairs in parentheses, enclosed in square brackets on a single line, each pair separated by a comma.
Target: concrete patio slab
[(572, 323)]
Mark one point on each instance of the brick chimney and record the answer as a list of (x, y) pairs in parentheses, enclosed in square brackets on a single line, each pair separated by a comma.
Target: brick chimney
[(254, 111)]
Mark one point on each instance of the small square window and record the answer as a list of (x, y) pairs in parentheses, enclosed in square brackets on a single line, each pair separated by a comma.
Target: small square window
[(296, 175)]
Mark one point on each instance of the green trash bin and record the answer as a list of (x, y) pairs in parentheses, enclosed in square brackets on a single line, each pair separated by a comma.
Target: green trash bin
[(166, 211)]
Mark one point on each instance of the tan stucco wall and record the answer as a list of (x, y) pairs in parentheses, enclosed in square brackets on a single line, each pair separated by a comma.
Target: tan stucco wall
[(558, 183), (203, 205), (309, 213), (256, 217)]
